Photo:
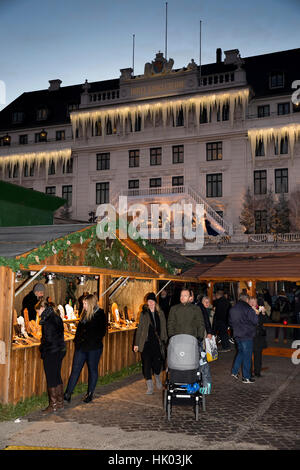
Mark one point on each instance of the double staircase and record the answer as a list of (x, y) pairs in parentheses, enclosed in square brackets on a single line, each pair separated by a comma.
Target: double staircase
[(175, 194)]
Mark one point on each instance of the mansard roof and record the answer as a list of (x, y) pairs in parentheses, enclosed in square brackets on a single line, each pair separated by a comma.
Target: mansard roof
[(258, 69)]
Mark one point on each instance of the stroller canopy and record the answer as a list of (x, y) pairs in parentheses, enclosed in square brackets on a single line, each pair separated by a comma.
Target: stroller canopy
[(183, 353)]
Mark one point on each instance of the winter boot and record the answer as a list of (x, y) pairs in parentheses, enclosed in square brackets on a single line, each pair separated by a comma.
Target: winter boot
[(60, 396), (158, 382), (88, 397), (52, 407), (149, 387)]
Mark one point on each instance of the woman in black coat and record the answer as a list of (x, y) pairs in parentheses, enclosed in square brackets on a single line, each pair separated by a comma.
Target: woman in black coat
[(260, 339), (88, 346), (53, 350)]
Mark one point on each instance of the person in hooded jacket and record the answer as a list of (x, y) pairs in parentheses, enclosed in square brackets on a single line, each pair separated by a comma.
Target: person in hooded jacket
[(53, 350), (90, 332), (151, 331)]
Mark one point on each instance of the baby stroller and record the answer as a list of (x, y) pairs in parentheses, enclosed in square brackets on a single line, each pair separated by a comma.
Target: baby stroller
[(183, 379)]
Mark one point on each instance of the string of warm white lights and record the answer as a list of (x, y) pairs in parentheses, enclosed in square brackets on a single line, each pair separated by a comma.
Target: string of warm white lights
[(37, 158), (266, 135), (164, 109)]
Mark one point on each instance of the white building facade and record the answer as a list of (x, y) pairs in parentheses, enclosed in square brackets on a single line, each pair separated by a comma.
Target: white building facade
[(202, 134)]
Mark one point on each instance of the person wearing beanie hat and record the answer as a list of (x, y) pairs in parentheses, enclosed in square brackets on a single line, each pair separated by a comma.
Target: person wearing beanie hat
[(31, 299), (151, 332)]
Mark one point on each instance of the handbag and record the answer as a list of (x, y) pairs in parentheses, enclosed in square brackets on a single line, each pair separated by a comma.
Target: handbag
[(211, 349), (162, 347), (276, 316)]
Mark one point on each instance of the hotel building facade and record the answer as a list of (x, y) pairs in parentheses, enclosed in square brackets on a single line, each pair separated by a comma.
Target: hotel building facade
[(200, 134)]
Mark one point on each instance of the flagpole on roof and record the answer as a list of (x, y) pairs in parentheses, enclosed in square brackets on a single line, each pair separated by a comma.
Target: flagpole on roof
[(166, 33), (133, 50)]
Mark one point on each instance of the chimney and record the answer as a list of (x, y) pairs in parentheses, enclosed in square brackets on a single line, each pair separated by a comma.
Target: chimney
[(54, 84), (218, 55)]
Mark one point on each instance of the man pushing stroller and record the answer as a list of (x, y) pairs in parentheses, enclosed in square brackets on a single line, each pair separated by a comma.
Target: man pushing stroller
[(187, 318)]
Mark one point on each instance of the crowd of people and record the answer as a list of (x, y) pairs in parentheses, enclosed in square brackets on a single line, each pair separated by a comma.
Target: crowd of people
[(239, 323), (233, 323)]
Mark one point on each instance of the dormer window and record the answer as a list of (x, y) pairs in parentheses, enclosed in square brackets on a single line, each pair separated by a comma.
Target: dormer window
[(276, 80), (17, 117), (41, 114)]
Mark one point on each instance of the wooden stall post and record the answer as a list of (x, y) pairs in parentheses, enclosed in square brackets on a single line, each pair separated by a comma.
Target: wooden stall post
[(210, 291), (7, 283), (252, 288)]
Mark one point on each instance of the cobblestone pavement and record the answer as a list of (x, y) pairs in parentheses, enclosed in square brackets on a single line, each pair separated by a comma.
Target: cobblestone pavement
[(262, 415)]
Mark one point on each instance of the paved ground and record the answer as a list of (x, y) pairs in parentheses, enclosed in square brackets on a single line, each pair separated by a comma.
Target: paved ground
[(263, 415)]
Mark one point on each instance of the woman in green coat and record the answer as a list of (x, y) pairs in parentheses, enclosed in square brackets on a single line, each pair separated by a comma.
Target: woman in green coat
[(151, 331)]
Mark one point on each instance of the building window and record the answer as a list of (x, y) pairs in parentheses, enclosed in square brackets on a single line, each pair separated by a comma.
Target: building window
[(214, 151), (68, 166), (41, 114), (40, 137), (72, 107), (50, 190), (203, 116), (103, 161), (137, 124), (15, 172), (109, 129), (155, 156), (51, 168), (214, 185), (17, 117), (277, 80), (225, 113), (133, 186), (283, 108), (260, 149), (134, 158), (179, 120), (281, 181), (283, 148), (260, 218), (155, 182), (178, 153), (60, 135), (102, 193), (177, 183), (23, 139), (263, 111), (28, 170), (260, 182), (67, 194)]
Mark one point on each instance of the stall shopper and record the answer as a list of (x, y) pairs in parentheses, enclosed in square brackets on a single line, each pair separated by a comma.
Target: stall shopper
[(31, 300), (90, 331), (53, 350), (151, 330)]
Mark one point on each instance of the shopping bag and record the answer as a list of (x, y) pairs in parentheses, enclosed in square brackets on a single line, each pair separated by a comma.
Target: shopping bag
[(211, 349)]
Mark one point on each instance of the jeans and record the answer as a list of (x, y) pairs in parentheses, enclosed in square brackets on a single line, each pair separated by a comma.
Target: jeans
[(80, 358), (243, 357)]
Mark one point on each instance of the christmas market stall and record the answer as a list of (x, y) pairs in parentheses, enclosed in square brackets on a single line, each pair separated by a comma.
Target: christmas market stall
[(69, 263)]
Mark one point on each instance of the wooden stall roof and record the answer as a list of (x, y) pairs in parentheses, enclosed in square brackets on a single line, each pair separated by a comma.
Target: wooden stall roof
[(260, 267), (74, 242)]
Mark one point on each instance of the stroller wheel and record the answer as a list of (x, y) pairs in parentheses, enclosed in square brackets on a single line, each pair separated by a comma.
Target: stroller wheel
[(203, 403), (169, 410), (197, 411), (165, 399)]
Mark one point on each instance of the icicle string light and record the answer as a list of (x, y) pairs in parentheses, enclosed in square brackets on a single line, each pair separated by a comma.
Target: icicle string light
[(22, 159), (161, 109), (266, 135)]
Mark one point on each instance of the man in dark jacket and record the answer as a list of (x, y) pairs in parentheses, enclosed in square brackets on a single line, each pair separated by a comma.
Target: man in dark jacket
[(243, 320), (31, 299), (185, 318), (222, 306)]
